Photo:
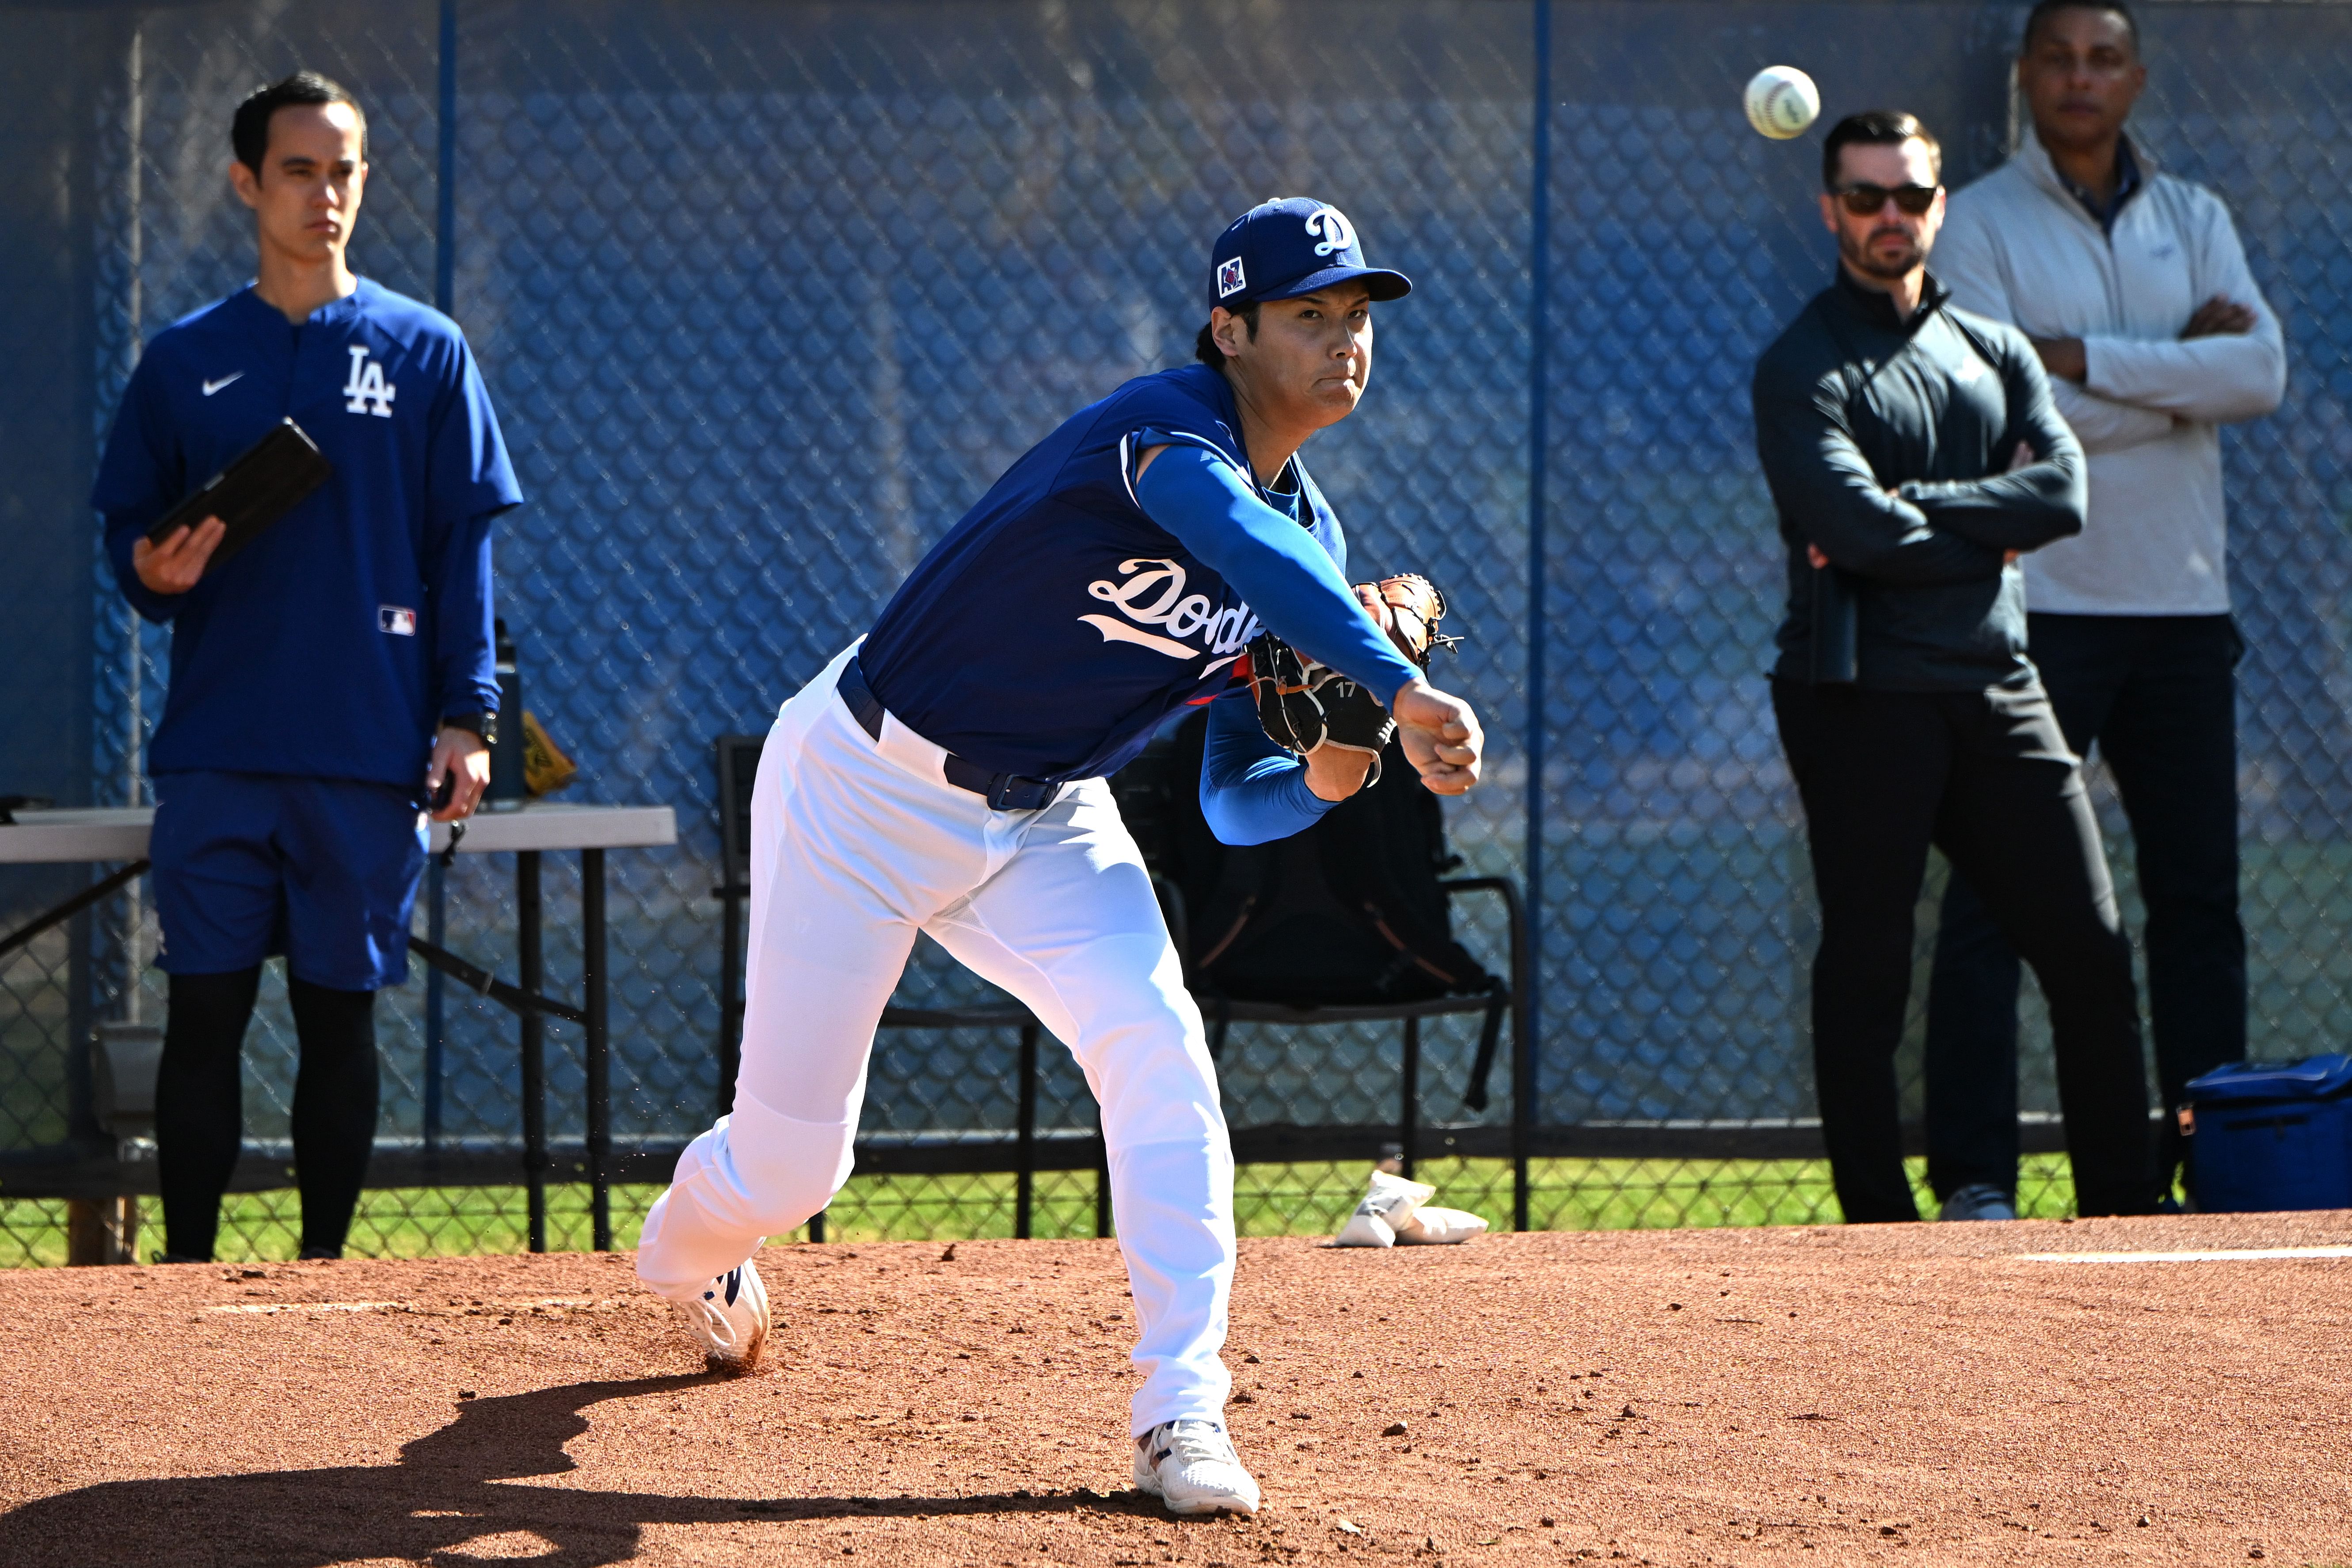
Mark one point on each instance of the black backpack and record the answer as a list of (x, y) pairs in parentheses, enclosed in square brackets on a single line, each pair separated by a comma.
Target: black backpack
[(1349, 911)]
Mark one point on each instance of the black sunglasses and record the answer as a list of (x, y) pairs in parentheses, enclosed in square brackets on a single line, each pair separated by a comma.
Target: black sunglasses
[(1867, 200)]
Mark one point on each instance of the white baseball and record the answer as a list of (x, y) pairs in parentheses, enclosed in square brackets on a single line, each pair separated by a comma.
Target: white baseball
[(1781, 101)]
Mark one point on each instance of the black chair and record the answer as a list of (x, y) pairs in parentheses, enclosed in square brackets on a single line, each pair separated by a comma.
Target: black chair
[(1294, 940), (1500, 998), (1504, 999)]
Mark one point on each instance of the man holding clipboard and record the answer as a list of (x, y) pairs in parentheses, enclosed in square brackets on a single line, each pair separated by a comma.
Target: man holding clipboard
[(331, 679)]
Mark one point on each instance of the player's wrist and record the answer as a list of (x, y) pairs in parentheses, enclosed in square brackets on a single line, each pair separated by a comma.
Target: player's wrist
[(477, 725), (1335, 771)]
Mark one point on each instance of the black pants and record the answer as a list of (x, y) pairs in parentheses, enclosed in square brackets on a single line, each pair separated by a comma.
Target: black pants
[(2157, 695), (1987, 778), (200, 1106)]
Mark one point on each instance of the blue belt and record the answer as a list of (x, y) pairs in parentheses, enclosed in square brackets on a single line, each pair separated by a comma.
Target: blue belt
[(1004, 791)]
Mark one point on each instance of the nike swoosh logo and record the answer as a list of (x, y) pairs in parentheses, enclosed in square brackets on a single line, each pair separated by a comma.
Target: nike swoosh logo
[(1120, 631), (213, 387)]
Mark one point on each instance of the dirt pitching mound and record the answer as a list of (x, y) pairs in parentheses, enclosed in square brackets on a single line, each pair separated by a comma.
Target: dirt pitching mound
[(1901, 1394)]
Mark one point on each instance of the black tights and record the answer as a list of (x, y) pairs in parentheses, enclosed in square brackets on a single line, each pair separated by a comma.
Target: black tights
[(200, 1109)]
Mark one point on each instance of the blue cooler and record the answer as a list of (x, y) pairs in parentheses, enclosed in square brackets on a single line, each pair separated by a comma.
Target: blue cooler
[(2272, 1135)]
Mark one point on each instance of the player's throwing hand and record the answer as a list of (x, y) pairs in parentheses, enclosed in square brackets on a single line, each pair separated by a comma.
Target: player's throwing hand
[(1441, 735)]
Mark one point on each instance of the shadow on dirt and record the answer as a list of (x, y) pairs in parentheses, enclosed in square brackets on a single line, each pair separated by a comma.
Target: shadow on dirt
[(450, 1487)]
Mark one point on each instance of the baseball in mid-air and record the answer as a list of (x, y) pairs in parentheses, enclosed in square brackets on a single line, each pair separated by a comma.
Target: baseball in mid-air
[(1781, 101)]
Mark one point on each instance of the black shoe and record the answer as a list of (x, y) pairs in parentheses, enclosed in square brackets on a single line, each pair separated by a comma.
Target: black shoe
[(176, 1258), (1978, 1200), (330, 1254)]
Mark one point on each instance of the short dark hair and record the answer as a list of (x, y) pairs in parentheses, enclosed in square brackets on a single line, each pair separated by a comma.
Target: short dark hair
[(2045, 10), (249, 132), (1876, 128), (1205, 347)]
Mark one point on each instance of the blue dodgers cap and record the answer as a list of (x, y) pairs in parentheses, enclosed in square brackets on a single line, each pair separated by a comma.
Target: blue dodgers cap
[(1293, 246)]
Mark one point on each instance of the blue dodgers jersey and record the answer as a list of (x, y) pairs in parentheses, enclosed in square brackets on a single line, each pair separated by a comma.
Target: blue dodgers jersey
[(332, 645), (1056, 626)]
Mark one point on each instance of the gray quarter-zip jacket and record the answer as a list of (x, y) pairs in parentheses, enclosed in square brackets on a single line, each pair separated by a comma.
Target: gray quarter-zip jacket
[(2018, 247), (1851, 403)]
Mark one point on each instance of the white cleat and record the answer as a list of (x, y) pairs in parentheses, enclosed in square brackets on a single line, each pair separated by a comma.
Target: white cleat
[(1191, 1465), (729, 1319)]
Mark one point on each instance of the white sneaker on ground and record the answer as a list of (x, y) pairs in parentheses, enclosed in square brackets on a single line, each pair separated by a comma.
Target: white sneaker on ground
[(729, 1319), (1191, 1465)]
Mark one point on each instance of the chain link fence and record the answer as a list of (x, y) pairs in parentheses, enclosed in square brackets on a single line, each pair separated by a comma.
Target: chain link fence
[(768, 293)]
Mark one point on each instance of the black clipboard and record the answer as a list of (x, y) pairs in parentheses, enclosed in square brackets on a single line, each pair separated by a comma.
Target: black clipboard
[(262, 484)]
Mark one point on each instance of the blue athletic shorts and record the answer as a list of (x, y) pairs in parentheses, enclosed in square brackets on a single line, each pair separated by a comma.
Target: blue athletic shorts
[(322, 871)]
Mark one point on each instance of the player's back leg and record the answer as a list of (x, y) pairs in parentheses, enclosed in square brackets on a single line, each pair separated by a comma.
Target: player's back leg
[(848, 851)]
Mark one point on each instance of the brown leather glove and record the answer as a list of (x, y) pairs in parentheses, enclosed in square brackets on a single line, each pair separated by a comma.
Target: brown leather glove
[(1303, 704)]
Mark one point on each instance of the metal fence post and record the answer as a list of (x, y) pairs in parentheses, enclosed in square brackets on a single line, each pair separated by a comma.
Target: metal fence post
[(1409, 1093), (1025, 1175), (445, 228), (437, 932), (436, 908), (594, 969), (1523, 1059), (1103, 1220), (731, 992), (531, 970)]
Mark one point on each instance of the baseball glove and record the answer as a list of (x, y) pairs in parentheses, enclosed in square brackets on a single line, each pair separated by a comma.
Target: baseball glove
[(1408, 608), (1304, 705)]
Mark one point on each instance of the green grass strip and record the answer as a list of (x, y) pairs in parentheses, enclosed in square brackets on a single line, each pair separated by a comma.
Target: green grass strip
[(1269, 1200)]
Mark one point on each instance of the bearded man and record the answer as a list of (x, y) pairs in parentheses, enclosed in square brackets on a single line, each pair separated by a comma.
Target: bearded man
[(1915, 452)]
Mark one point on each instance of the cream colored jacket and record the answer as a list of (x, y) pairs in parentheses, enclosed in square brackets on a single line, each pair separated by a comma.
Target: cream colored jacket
[(2018, 247)]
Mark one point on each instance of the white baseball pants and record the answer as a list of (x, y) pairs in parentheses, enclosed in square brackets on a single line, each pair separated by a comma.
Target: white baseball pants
[(857, 846)]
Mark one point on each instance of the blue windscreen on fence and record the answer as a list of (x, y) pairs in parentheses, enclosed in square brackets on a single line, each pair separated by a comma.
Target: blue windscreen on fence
[(768, 293)]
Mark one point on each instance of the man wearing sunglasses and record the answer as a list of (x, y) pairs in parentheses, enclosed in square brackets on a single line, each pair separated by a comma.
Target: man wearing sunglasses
[(2136, 292), (1914, 453)]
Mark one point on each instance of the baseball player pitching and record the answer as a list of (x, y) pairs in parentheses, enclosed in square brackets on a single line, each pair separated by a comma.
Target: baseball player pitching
[(946, 774)]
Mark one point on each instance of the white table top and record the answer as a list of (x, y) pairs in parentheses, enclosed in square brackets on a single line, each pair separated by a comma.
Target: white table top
[(120, 833)]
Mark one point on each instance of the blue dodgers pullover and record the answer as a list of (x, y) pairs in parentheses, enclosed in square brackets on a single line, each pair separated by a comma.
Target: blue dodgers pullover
[(1057, 624), (332, 646)]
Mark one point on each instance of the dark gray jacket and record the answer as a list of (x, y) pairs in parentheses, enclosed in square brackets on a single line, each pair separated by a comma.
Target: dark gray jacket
[(1852, 403)]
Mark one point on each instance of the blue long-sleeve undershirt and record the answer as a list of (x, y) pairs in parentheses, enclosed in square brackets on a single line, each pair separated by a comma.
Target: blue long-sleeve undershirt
[(1252, 790), (1291, 582)]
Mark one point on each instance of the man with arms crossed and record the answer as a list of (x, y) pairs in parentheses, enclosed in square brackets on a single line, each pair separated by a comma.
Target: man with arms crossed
[(325, 682), (946, 774), (1914, 449), (2135, 291)]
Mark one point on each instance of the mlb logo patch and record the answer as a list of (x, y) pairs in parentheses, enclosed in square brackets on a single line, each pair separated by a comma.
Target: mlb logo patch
[(1229, 278), (395, 619)]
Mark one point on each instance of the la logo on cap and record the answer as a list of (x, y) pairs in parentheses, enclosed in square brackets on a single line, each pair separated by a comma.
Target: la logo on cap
[(1230, 278)]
